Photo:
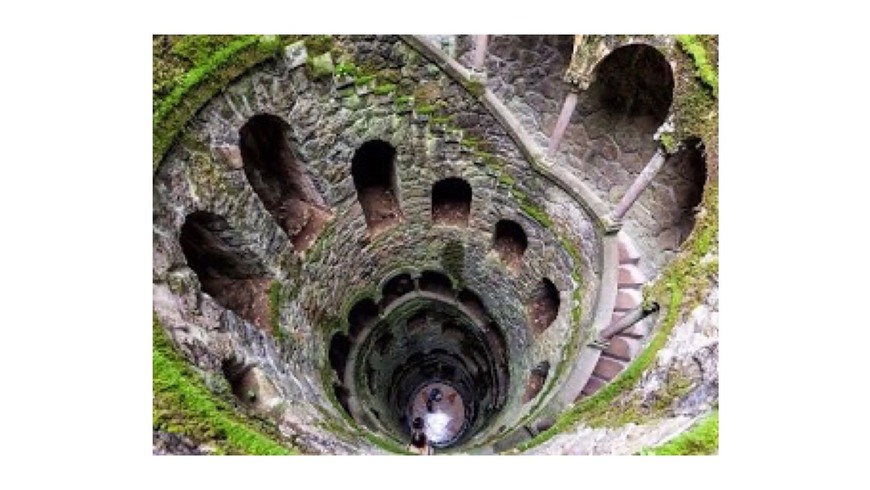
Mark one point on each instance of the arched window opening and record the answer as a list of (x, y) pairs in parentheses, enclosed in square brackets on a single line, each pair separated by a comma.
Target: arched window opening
[(395, 288), (280, 180), (544, 307), (451, 202), (437, 283), (510, 243), (234, 277), (373, 169), (536, 381)]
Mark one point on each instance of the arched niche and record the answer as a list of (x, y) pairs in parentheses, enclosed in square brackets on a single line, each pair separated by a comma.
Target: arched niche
[(279, 179), (373, 168), (234, 277), (451, 202)]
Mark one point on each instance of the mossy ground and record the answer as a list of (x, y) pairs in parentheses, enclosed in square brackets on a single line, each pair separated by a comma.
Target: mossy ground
[(701, 439), (184, 405)]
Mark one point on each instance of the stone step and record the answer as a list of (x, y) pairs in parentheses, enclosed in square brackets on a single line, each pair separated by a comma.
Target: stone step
[(607, 368), (594, 384), (627, 251), (627, 300), (623, 348), (630, 276)]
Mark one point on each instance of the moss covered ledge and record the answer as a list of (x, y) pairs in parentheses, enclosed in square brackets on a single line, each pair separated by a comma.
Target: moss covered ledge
[(183, 405), (701, 439)]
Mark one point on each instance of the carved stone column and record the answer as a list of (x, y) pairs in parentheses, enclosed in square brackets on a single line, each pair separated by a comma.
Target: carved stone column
[(639, 185), (480, 44)]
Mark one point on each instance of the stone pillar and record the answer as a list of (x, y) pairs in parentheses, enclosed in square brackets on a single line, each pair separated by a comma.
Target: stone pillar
[(639, 185), (480, 42), (562, 124)]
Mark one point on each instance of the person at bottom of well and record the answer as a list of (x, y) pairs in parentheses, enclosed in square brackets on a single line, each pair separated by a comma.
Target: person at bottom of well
[(419, 443)]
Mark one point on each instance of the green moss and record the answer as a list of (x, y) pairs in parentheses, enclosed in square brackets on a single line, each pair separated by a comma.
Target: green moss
[(424, 109), (703, 438), (405, 100), (363, 80), (536, 213), (705, 70), (318, 45), (320, 66), (202, 82), (275, 300), (346, 69), (475, 87), (384, 89), (668, 142), (183, 405)]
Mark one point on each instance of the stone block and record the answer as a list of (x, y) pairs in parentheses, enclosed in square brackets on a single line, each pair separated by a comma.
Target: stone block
[(296, 54), (630, 275), (628, 253), (230, 155), (608, 369), (627, 299), (624, 348), (594, 384)]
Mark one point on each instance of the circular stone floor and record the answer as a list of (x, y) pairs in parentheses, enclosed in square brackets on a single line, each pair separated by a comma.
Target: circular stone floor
[(446, 422)]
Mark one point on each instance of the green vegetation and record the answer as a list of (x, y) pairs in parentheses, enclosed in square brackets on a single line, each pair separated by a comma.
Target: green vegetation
[(184, 405), (424, 109), (275, 300), (384, 89), (705, 70), (364, 80), (703, 438), (346, 69), (190, 91)]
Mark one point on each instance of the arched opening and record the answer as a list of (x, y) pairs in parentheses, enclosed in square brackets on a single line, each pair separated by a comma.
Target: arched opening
[(510, 242), (234, 277), (636, 82), (536, 381), (241, 378), (373, 168), (339, 349), (280, 180), (451, 202), (395, 288), (437, 283), (363, 314), (682, 182), (544, 307)]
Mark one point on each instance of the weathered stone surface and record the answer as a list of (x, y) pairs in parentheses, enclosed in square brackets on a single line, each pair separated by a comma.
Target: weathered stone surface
[(630, 276), (623, 347), (628, 439), (593, 385), (627, 299), (608, 368), (296, 54), (628, 253)]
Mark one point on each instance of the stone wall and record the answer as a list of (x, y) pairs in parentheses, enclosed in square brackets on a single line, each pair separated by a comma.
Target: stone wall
[(329, 118)]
